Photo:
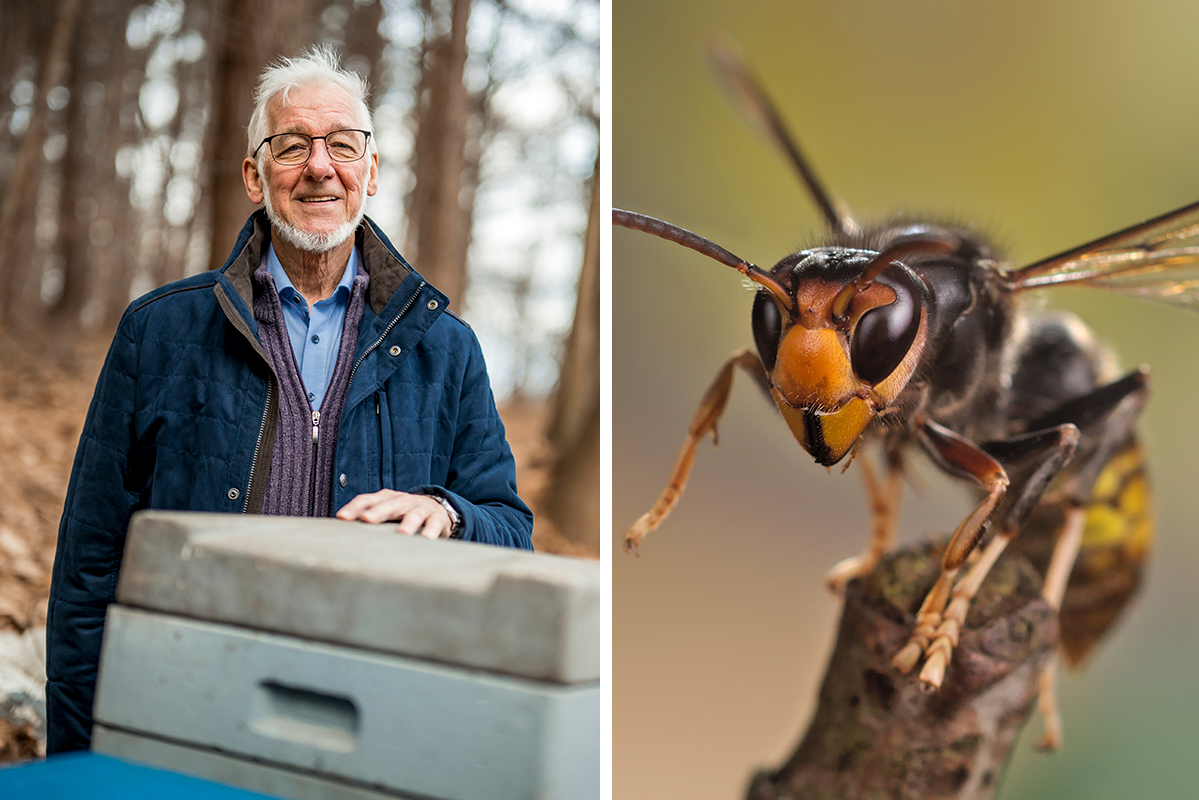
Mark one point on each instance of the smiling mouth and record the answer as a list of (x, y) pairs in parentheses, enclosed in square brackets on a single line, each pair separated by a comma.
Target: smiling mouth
[(322, 199)]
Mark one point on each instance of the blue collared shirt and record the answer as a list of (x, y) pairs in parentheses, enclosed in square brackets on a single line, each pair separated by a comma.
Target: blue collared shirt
[(315, 338)]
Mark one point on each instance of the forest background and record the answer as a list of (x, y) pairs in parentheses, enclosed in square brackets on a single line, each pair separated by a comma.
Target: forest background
[(122, 132)]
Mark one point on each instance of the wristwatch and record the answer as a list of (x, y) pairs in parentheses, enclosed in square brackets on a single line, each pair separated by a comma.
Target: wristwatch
[(455, 517)]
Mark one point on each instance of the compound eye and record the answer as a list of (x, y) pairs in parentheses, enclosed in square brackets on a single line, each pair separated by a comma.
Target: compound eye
[(768, 328), (885, 334)]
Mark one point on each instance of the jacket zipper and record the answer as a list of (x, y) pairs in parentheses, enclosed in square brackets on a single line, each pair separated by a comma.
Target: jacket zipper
[(266, 413), (239, 324), (386, 331)]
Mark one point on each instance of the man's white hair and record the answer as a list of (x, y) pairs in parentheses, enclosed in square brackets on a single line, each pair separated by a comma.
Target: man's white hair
[(317, 66)]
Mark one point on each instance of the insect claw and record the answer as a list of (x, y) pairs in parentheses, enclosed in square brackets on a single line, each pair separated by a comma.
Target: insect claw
[(933, 674), (905, 660), (837, 578), (636, 534), (1049, 743)]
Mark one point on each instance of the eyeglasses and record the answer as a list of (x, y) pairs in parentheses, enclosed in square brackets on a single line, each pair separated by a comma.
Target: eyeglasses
[(293, 149)]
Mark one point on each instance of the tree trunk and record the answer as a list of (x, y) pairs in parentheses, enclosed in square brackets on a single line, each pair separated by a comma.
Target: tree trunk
[(23, 40), (876, 733), (115, 263), (248, 37), (572, 496), (93, 136), (364, 40), (77, 197), (190, 78), (438, 233), (16, 234)]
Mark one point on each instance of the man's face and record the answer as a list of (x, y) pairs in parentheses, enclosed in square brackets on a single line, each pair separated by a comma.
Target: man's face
[(322, 196)]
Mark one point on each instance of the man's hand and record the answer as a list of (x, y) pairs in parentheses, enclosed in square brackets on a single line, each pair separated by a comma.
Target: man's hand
[(414, 512)]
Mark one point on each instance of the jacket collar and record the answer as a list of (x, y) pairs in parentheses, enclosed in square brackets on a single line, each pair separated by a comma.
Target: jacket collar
[(386, 267)]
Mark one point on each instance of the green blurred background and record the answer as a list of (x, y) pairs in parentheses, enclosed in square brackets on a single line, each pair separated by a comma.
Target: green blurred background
[(1044, 124)]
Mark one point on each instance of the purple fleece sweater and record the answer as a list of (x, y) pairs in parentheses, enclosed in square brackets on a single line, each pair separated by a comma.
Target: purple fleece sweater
[(301, 478)]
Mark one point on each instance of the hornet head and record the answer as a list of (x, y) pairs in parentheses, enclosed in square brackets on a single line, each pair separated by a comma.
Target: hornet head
[(840, 334)]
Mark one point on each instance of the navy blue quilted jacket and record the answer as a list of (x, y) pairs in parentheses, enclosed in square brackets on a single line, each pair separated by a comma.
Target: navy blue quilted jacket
[(184, 418)]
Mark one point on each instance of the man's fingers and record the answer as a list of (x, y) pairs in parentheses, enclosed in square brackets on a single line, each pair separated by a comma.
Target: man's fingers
[(351, 509), (386, 510), (360, 503), (411, 522), (437, 526), (377, 506), (416, 513), (429, 520)]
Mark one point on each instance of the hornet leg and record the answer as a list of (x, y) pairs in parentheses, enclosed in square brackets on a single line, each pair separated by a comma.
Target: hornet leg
[(1106, 416), (884, 508), (963, 456), (711, 408), (938, 626), (1056, 577)]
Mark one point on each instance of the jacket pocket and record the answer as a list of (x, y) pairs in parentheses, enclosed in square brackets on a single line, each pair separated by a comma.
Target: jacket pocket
[(386, 445)]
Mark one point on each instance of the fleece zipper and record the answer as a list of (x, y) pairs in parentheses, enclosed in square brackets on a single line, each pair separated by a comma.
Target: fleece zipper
[(316, 438)]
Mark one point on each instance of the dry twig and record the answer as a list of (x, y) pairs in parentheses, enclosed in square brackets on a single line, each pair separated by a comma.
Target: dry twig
[(877, 734)]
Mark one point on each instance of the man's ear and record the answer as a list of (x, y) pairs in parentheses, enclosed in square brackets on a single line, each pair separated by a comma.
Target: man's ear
[(253, 180), (372, 181)]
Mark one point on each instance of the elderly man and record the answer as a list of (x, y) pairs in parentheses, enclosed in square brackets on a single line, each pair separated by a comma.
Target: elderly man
[(315, 372)]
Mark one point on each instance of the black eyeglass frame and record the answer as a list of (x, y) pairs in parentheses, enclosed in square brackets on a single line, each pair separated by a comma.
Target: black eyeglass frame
[(365, 146)]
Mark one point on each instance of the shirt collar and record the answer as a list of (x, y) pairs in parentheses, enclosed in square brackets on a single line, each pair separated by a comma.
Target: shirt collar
[(285, 287)]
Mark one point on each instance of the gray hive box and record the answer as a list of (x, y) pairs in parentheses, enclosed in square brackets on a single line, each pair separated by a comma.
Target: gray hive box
[(322, 659)]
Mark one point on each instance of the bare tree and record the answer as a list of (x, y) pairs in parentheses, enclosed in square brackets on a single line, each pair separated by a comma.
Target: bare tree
[(572, 496), (114, 258), (438, 227), (364, 43), (15, 269), (91, 192), (22, 40)]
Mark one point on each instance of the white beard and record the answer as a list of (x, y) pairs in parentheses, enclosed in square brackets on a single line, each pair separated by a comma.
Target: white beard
[(311, 242)]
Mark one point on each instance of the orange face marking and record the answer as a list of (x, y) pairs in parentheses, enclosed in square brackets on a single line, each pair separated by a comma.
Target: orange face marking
[(813, 368), (842, 427), (835, 431), (794, 419)]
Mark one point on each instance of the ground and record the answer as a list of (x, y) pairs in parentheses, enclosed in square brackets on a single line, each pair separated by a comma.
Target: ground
[(44, 395)]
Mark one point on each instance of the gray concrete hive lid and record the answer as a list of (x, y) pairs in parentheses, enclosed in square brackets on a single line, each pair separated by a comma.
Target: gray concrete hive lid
[(508, 611)]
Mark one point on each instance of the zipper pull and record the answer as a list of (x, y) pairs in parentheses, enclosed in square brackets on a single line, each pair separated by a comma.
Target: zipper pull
[(316, 422)]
